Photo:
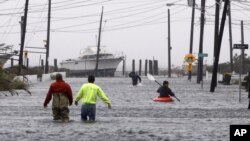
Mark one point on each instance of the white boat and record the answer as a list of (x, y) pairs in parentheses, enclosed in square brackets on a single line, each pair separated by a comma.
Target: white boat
[(85, 64)]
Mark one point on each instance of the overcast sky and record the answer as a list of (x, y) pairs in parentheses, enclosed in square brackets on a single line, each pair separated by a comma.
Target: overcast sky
[(136, 28)]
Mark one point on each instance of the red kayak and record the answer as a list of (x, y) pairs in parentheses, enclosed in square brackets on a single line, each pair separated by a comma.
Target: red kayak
[(163, 99)]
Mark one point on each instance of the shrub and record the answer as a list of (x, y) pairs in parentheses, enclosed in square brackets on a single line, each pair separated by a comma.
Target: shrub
[(8, 83)]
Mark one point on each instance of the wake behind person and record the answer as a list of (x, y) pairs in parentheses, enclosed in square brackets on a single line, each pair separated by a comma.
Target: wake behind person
[(135, 78), (87, 95), (62, 98), (165, 91)]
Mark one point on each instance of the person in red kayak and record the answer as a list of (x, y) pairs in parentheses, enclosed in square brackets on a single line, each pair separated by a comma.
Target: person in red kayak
[(165, 91), (62, 98)]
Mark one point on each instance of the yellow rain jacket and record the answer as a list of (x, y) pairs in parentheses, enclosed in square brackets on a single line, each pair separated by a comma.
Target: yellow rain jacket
[(88, 94)]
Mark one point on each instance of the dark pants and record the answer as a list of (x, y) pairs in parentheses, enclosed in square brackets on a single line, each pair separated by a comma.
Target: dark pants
[(88, 111), (61, 113)]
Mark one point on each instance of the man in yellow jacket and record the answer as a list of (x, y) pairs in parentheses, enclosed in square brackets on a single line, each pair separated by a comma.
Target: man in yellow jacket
[(87, 95)]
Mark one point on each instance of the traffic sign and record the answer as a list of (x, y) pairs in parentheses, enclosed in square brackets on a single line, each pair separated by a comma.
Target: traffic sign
[(240, 46), (202, 55), (189, 67), (189, 58)]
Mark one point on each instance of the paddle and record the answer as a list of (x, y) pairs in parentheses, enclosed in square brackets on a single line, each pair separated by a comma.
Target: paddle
[(151, 77)]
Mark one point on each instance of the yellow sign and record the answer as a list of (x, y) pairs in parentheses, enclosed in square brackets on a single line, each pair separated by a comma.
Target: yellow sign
[(189, 58), (189, 67)]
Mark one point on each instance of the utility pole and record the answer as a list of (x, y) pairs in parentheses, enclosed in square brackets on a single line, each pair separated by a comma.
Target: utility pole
[(242, 51), (200, 59), (217, 54), (241, 60), (98, 45), (230, 36), (123, 65), (191, 37), (21, 24), (20, 61), (216, 30), (48, 40), (216, 25), (169, 46)]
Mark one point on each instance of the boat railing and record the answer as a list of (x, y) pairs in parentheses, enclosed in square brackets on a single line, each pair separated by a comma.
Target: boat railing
[(103, 56), (118, 55), (6, 49)]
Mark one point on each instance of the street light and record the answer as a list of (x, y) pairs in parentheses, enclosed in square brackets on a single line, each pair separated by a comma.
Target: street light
[(169, 4), (173, 4)]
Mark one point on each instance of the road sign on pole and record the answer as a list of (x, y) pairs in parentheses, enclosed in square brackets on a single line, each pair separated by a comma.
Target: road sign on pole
[(202, 55), (190, 58), (240, 46)]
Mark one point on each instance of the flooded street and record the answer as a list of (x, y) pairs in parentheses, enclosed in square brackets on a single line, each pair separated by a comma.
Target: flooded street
[(199, 116)]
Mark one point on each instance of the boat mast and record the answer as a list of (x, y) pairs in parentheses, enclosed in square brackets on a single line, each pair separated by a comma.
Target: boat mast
[(98, 46)]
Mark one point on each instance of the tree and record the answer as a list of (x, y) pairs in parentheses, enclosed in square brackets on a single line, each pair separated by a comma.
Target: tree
[(237, 62), (8, 83), (225, 67)]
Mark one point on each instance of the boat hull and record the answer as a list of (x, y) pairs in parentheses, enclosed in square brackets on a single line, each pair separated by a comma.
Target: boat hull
[(82, 73), (76, 68)]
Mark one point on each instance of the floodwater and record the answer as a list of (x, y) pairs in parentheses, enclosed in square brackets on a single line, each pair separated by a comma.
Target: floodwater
[(199, 116)]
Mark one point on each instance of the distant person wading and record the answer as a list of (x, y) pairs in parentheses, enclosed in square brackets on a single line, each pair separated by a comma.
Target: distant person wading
[(135, 78), (62, 98)]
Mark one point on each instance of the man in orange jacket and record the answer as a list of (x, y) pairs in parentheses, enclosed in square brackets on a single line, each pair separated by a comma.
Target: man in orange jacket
[(62, 98)]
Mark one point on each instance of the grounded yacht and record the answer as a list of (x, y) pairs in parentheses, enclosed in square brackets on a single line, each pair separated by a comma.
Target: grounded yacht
[(85, 64)]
